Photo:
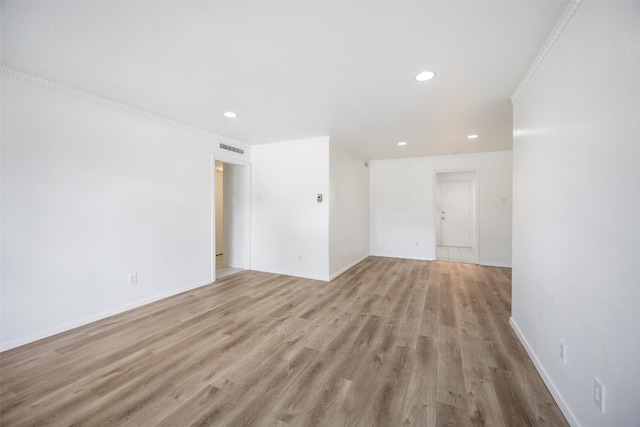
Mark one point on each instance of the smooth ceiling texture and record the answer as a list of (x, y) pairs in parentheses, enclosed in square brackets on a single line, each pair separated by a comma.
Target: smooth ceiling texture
[(293, 70)]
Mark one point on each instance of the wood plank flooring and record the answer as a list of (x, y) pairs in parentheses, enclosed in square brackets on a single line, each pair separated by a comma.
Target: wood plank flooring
[(391, 342)]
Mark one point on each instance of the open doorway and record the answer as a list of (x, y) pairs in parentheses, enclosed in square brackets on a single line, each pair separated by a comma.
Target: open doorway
[(456, 217), (230, 218)]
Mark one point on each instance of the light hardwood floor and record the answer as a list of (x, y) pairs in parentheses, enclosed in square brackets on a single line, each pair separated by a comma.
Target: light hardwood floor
[(391, 342)]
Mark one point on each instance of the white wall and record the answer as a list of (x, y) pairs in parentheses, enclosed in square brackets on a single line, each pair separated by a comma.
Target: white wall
[(576, 238), (294, 234), (349, 208), (290, 230), (91, 194), (234, 209), (219, 210), (403, 197)]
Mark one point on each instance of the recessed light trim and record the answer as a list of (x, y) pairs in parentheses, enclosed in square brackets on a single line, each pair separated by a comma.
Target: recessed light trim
[(402, 143), (425, 75), (230, 115), (474, 136)]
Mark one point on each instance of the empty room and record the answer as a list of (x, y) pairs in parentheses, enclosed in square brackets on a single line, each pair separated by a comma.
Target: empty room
[(331, 213)]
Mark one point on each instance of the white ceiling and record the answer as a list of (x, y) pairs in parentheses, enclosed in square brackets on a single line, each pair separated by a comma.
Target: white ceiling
[(294, 70)]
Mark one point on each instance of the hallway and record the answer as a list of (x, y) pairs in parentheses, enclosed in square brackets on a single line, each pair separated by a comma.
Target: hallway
[(456, 254)]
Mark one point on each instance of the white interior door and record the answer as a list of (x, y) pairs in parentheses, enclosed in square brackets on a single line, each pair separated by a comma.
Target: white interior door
[(456, 214)]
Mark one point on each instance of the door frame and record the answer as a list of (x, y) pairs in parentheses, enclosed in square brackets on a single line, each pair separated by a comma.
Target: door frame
[(246, 261), (437, 199)]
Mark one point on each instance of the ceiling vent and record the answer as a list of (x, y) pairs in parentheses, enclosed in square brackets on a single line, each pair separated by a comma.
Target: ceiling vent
[(230, 148)]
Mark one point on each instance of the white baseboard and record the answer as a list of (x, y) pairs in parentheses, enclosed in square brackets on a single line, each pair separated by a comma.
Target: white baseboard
[(353, 264), (562, 404), (291, 273), (485, 264), (494, 264), (93, 318), (240, 266), (401, 257)]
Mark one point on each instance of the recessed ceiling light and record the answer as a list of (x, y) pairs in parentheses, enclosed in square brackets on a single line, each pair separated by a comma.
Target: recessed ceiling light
[(230, 114), (425, 75), (472, 136), (402, 143)]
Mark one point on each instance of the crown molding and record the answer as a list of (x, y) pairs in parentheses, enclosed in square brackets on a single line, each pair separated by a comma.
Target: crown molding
[(69, 91), (548, 44)]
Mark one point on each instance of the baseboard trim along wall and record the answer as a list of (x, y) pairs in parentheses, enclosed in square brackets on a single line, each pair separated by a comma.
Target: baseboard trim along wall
[(494, 264), (353, 264), (90, 319), (291, 273), (571, 418), (310, 276), (402, 257)]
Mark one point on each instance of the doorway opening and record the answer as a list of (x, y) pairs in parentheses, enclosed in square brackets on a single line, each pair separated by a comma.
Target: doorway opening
[(456, 217), (230, 218)]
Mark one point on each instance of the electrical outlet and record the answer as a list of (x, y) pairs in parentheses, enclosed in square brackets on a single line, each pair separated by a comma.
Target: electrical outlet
[(563, 352), (133, 278), (598, 394)]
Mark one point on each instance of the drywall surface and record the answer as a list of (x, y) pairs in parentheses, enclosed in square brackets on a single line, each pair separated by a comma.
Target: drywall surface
[(219, 212), (349, 208), (290, 229), (234, 211), (403, 204), (91, 195), (576, 238)]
